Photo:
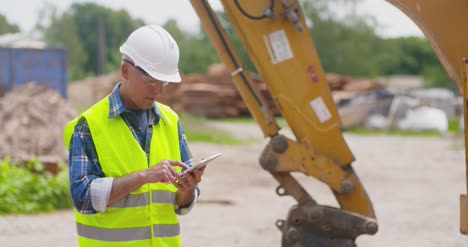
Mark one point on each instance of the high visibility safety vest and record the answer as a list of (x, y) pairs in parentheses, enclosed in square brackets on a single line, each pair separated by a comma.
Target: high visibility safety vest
[(146, 217)]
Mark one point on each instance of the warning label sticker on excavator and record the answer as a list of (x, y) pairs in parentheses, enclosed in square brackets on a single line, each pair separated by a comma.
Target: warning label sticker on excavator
[(278, 46), (320, 109)]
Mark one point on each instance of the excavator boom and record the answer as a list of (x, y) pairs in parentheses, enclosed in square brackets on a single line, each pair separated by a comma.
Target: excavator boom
[(275, 35)]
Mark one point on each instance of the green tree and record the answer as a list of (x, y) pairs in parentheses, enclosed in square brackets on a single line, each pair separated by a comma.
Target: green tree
[(415, 53), (77, 30), (414, 56), (346, 43), (116, 24), (7, 27), (349, 44), (196, 51), (54, 36), (236, 42)]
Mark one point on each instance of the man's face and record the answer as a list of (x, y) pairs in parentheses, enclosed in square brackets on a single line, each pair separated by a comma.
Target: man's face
[(142, 89)]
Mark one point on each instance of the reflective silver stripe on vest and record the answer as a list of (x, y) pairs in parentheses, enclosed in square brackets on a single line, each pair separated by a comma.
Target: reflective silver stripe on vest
[(140, 200), (132, 201), (114, 235), (163, 196), (164, 231)]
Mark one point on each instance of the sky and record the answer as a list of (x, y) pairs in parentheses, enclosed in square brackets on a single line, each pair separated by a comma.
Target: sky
[(393, 23)]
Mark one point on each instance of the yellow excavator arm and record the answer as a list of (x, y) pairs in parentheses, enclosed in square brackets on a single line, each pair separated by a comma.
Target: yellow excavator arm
[(275, 35)]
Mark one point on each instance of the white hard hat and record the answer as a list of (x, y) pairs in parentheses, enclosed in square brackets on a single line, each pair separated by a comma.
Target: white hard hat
[(155, 51)]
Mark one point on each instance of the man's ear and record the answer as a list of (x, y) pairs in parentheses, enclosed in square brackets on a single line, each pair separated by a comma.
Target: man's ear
[(124, 70)]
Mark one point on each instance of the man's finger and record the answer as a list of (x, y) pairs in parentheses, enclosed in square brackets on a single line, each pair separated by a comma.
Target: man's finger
[(179, 164), (198, 175), (189, 177), (177, 185), (202, 170), (167, 178), (184, 184), (173, 172)]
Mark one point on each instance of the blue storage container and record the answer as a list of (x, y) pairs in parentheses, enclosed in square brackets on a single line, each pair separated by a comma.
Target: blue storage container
[(47, 67)]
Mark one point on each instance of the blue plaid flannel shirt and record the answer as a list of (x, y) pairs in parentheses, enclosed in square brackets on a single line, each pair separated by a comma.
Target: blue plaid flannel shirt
[(83, 160)]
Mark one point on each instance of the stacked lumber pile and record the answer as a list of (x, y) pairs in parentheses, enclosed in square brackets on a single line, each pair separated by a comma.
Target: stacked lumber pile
[(346, 87), (213, 95), (33, 120)]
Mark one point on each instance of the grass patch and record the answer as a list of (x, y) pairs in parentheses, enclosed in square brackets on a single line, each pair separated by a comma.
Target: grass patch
[(454, 126), (213, 136), (369, 132), (197, 129)]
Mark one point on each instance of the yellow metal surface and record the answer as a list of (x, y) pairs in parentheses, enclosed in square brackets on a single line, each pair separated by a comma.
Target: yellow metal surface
[(358, 201), (464, 214), (463, 198), (444, 25), (288, 62), (247, 89), (298, 158)]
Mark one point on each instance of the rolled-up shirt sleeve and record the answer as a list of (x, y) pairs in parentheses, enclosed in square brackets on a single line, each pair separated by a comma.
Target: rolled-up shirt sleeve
[(100, 193), (187, 208)]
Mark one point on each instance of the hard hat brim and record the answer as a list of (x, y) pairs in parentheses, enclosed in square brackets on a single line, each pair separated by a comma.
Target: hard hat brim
[(172, 77)]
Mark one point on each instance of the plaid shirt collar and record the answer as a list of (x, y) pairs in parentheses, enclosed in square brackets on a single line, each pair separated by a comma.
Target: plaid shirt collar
[(117, 107)]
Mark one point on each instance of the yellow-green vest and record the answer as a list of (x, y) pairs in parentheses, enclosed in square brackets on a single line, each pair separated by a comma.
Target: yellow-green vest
[(146, 217)]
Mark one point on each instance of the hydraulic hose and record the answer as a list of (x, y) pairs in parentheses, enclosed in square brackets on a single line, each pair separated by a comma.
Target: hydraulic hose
[(267, 13)]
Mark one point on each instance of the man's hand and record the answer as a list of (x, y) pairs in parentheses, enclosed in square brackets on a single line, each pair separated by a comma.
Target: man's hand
[(164, 172), (189, 181), (186, 185)]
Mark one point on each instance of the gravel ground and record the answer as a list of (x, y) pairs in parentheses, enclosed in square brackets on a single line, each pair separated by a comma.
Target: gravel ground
[(414, 184)]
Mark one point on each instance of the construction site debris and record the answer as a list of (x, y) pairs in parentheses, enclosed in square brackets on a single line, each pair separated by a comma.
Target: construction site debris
[(85, 93), (213, 95), (33, 119)]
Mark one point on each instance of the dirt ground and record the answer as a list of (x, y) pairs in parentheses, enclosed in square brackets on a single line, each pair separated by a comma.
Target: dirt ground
[(414, 184)]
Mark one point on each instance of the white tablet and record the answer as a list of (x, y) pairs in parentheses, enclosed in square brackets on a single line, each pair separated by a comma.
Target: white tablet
[(202, 162)]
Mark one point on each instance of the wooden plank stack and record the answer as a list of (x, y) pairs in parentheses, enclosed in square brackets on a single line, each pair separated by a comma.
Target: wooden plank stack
[(213, 95)]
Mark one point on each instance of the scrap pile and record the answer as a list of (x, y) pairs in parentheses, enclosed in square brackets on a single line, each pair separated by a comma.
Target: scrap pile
[(33, 119)]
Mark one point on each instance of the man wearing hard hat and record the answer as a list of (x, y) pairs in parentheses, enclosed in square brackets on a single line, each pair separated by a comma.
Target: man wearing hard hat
[(127, 151)]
